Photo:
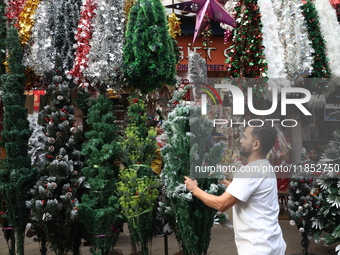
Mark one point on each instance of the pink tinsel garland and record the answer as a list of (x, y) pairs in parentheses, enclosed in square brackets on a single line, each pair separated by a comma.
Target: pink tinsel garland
[(83, 37)]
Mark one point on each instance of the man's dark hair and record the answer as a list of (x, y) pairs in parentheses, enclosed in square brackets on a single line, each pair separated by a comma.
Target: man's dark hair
[(266, 134), (314, 148)]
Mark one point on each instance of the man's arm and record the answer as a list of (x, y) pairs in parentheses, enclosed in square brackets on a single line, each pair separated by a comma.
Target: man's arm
[(220, 203)]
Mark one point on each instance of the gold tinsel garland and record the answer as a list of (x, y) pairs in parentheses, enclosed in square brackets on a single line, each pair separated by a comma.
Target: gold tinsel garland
[(26, 20), (127, 8), (174, 25)]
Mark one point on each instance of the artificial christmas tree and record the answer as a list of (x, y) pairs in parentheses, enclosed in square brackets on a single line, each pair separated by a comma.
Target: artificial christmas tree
[(187, 137), (149, 57), (16, 177), (99, 210), (138, 186), (56, 194), (327, 189), (303, 205)]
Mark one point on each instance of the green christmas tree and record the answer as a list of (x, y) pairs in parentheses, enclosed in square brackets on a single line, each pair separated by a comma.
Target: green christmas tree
[(328, 218), (138, 186), (56, 194), (303, 205), (99, 210), (16, 177), (187, 136), (149, 56)]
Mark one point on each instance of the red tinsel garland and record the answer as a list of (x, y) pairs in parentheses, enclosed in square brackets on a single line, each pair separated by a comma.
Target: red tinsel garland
[(83, 37), (13, 9), (336, 6)]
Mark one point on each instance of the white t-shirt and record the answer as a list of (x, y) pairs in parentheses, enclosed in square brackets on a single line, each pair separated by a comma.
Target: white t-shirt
[(255, 216)]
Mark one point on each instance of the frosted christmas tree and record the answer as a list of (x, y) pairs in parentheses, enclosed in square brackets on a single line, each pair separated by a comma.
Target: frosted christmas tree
[(328, 186), (56, 194)]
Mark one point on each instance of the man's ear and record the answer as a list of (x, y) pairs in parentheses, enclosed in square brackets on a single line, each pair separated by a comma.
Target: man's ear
[(256, 145)]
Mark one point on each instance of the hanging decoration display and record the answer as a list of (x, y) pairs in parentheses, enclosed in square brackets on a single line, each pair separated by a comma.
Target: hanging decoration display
[(127, 6), (66, 22), (14, 8), (174, 25), (273, 49), (320, 66), (40, 56), (294, 38), (83, 37), (26, 20), (246, 56), (106, 46), (210, 8), (336, 6), (330, 30), (230, 8)]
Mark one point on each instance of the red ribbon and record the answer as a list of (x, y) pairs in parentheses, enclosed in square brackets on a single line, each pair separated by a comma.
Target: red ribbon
[(116, 232)]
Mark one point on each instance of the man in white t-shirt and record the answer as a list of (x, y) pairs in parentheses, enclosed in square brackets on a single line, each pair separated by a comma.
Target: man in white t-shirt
[(253, 196)]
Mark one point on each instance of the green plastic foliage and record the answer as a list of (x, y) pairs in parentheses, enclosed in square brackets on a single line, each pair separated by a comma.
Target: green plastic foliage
[(187, 135), (149, 56), (99, 210), (138, 198), (16, 177), (320, 64), (138, 187)]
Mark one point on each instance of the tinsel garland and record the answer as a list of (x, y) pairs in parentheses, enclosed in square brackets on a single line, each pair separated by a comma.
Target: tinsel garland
[(106, 53), (26, 20), (294, 38), (66, 19), (14, 8), (127, 7), (40, 56), (174, 25), (336, 6), (230, 8), (330, 30), (247, 58), (273, 50), (83, 37), (320, 65)]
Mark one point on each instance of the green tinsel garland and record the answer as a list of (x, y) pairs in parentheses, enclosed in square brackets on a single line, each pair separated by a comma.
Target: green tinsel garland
[(247, 58), (320, 65)]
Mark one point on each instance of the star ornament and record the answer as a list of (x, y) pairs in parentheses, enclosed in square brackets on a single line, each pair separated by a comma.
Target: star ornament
[(211, 8)]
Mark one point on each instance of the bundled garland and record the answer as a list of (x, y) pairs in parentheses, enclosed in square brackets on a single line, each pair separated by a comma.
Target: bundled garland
[(247, 58), (149, 57), (320, 66), (106, 52), (330, 30), (83, 36), (16, 177), (2, 38)]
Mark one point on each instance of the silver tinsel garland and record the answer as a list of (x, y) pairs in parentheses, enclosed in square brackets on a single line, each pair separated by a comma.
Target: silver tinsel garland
[(41, 55), (106, 53), (293, 34)]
